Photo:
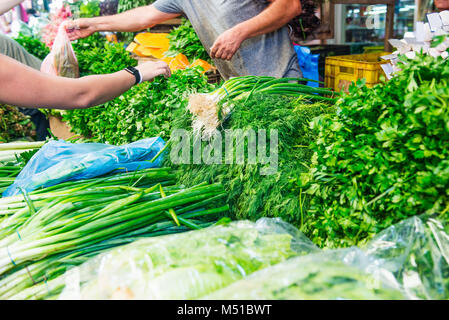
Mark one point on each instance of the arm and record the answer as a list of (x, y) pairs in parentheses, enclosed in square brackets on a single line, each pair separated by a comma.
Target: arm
[(25, 87), (278, 14), (6, 5), (130, 21)]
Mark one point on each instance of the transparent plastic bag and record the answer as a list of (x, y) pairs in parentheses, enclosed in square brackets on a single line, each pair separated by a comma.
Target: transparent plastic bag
[(60, 161), (409, 260), (328, 275), (270, 260), (414, 256), (61, 61), (188, 265)]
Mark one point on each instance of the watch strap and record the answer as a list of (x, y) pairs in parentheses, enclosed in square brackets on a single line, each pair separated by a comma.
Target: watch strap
[(135, 73)]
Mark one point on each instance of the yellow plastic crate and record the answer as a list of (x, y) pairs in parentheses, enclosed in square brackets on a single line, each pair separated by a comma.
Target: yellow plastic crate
[(341, 71)]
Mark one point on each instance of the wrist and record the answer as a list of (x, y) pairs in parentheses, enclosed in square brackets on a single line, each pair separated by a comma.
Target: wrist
[(136, 73), (241, 32), (98, 24)]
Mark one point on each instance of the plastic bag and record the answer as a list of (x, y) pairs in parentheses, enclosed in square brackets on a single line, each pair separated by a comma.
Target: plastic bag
[(269, 260), (309, 64), (409, 260), (62, 59), (185, 266), (414, 256), (59, 161), (329, 275)]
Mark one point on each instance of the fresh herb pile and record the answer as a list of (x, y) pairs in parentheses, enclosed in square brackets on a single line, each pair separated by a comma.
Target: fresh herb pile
[(250, 194), (33, 45), (382, 157), (145, 111), (184, 39), (14, 124), (86, 8), (98, 56)]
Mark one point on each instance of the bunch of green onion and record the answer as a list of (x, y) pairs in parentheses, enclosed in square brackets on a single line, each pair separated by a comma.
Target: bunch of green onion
[(10, 151), (243, 87), (208, 114), (44, 233), (11, 160)]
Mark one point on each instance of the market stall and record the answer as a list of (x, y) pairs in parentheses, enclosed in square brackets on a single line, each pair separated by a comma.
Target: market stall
[(190, 187)]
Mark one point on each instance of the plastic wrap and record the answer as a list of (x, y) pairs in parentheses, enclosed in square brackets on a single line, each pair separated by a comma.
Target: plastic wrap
[(188, 265), (413, 255), (59, 161), (329, 275), (270, 260), (406, 261)]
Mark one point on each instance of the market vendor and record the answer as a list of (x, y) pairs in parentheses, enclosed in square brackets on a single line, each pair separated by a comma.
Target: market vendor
[(244, 37), (25, 87)]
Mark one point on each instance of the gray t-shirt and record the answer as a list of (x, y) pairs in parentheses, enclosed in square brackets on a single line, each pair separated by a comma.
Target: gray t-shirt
[(270, 54)]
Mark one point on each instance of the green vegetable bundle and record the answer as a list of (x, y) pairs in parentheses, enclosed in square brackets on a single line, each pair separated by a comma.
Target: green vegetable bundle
[(33, 45), (146, 110), (320, 276), (209, 113), (14, 124), (184, 39), (47, 231), (250, 194), (382, 157), (188, 265), (98, 56), (13, 158)]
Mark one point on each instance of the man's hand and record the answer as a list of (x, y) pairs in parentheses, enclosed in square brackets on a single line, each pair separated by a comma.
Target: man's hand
[(227, 44), (80, 28)]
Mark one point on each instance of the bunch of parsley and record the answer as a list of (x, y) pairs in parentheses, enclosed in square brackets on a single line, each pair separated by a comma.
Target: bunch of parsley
[(184, 39), (146, 110), (382, 157)]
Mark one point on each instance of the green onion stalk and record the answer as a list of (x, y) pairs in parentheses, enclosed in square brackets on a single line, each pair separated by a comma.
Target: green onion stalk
[(54, 228), (12, 160), (208, 114)]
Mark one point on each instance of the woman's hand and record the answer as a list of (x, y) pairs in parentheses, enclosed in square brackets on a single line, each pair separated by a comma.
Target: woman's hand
[(152, 69)]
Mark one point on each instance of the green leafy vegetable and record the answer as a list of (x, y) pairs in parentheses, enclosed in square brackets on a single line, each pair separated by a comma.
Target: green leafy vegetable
[(33, 45), (184, 39), (382, 157)]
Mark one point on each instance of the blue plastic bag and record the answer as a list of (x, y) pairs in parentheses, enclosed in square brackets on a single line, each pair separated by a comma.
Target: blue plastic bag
[(309, 64), (60, 161)]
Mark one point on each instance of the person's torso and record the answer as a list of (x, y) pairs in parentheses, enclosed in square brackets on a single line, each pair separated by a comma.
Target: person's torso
[(271, 54)]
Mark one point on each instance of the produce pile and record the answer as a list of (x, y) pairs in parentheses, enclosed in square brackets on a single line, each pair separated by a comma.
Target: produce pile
[(33, 45), (165, 268), (13, 158), (14, 124), (363, 175), (49, 230), (184, 39), (250, 194), (382, 157), (406, 261)]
